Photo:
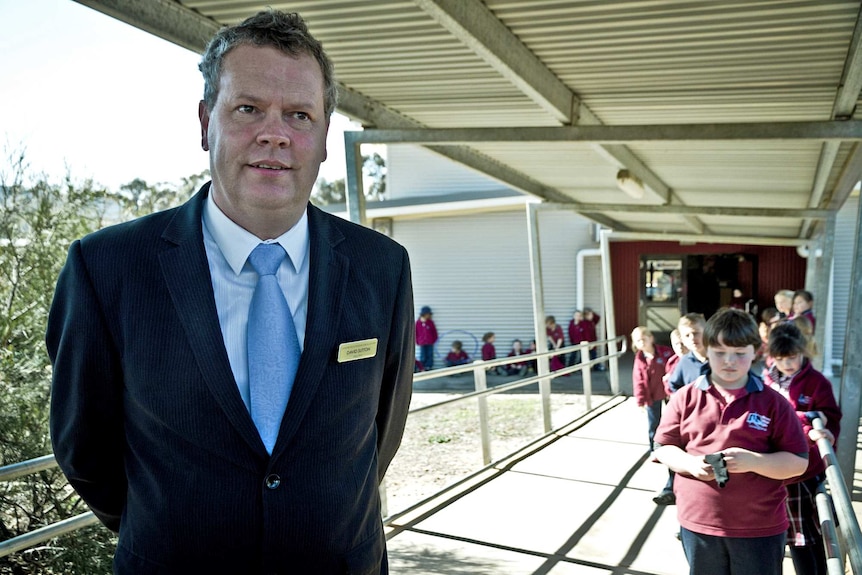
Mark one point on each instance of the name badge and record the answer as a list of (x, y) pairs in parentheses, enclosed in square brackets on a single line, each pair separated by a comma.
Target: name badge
[(354, 350)]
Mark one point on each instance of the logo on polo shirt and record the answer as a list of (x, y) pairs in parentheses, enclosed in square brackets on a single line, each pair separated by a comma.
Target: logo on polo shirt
[(804, 399), (757, 421)]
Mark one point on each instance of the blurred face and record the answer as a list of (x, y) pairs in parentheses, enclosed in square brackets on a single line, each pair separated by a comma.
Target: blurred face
[(516, 346), (266, 137), (729, 365), (578, 317), (641, 340), (783, 304), (677, 345), (800, 305), (692, 337), (789, 365), (763, 330)]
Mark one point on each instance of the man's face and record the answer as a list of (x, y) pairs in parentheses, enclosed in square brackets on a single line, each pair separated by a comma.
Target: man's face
[(692, 337), (266, 136)]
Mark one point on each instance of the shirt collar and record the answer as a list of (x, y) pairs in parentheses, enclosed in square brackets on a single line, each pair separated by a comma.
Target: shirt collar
[(753, 385), (236, 243)]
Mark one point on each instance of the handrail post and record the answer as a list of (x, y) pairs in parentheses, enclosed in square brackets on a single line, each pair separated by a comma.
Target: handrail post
[(848, 525), (481, 382), (587, 375), (831, 547)]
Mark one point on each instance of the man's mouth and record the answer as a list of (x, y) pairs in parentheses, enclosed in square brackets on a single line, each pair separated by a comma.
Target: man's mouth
[(266, 166)]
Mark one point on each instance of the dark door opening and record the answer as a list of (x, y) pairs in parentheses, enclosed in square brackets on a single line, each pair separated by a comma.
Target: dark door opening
[(673, 285)]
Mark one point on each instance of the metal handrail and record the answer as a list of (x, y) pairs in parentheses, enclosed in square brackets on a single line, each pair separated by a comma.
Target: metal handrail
[(33, 538), (29, 467), (847, 522), (501, 361)]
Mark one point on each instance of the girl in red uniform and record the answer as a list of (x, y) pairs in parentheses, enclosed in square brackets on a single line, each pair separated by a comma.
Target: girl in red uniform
[(810, 394)]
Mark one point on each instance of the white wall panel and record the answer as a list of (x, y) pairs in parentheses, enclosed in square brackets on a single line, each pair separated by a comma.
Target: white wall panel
[(474, 272), (846, 229)]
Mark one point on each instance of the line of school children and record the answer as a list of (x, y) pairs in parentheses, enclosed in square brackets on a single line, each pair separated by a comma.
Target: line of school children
[(755, 429)]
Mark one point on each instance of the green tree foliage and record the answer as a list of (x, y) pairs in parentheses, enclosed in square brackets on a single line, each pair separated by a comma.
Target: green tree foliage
[(38, 221), (328, 192), (373, 168)]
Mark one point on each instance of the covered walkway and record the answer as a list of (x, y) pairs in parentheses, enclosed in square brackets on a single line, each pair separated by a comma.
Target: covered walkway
[(580, 502)]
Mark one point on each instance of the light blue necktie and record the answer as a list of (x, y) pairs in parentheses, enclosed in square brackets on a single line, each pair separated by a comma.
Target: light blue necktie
[(273, 347)]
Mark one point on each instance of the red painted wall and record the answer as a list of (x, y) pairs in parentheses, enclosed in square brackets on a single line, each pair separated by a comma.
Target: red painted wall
[(778, 268)]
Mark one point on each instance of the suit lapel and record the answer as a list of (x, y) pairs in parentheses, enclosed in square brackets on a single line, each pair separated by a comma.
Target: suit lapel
[(186, 271), (327, 285)]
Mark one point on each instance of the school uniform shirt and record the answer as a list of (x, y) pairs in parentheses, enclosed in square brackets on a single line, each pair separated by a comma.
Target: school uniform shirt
[(668, 371), (647, 373), (489, 352), (426, 332), (457, 358), (687, 370), (699, 421), (808, 390)]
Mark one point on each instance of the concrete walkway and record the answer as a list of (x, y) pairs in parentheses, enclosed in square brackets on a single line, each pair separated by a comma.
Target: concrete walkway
[(581, 503)]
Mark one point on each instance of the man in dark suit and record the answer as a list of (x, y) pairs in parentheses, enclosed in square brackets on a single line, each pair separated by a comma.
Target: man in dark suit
[(153, 414)]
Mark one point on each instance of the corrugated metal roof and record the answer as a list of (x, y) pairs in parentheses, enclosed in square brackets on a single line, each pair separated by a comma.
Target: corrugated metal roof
[(524, 63)]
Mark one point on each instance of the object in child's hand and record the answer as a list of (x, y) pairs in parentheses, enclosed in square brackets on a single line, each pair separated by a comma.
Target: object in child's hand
[(719, 467)]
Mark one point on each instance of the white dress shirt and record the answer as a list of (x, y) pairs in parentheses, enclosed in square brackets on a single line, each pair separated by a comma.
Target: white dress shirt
[(228, 246)]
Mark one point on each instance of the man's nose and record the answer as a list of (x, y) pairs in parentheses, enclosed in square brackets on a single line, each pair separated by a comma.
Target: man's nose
[(274, 133)]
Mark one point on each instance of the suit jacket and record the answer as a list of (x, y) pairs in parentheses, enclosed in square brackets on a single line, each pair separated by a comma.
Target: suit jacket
[(147, 421)]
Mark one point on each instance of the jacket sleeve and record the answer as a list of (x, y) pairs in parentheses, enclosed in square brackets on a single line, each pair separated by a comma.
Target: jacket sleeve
[(639, 380), (86, 395), (823, 399), (397, 385)]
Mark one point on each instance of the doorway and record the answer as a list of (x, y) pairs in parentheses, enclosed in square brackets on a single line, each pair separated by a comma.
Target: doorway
[(675, 284)]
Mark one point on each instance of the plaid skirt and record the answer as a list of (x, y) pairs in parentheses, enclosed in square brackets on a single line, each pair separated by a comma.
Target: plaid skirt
[(802, 512)]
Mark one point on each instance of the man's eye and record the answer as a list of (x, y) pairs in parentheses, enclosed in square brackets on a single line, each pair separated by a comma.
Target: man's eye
[(245, 109), (301, 116)]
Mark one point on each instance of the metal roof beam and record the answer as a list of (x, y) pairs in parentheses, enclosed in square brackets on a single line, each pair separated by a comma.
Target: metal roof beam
[(706, 211), (843, 108), (476, 26), (479, 29), (358, 106), (778, 131), (704, 239)]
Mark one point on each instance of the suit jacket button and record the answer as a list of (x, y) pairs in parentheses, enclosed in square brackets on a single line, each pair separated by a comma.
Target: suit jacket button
[(272, 481)]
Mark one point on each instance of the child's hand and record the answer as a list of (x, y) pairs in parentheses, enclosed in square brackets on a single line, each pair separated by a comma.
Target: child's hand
[(810, 415), (740, 460), (700, 469), (816, 434)]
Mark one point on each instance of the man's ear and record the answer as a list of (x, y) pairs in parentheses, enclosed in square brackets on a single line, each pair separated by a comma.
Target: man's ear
[(204, 116)]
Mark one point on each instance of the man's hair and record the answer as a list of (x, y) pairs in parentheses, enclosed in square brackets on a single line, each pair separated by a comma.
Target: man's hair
[(487, 336), (691, 319), (735, 327), (786, 339), (285, 31)]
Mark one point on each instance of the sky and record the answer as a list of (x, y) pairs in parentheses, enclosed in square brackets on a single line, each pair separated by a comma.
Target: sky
[(83, 92)]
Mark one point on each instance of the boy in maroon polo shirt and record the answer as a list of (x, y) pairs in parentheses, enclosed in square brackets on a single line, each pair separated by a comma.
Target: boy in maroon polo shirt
[(737, 526)]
